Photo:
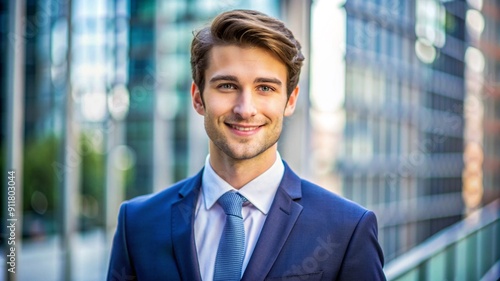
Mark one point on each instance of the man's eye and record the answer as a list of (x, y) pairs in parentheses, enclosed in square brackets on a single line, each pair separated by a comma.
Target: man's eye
[(266, 88), (227, 86)]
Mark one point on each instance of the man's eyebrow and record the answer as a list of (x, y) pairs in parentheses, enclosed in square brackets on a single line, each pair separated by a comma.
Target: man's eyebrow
[(268, 80), (223, 78), (235, 79)]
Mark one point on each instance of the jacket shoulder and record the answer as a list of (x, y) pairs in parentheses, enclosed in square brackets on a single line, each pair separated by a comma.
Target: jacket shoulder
[(319, 195), (149, 204)]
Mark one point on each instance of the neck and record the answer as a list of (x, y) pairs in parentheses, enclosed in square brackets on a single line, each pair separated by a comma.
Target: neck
[(239, 172)]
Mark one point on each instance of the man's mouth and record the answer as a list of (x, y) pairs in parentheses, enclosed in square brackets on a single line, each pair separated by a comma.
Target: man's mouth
[(244, 129)]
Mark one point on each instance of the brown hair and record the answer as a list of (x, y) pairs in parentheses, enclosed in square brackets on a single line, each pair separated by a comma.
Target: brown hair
[(247, 28)]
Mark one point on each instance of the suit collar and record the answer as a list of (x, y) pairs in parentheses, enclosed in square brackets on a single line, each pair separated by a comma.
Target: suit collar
[(279, 223), (183, 241), (191, 184), (291, 183)]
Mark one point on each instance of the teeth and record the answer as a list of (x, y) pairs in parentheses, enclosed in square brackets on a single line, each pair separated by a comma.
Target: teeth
[(244, 129)]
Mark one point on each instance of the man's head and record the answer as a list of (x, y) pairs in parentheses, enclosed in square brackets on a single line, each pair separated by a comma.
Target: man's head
[(246, 68), (247, 28)]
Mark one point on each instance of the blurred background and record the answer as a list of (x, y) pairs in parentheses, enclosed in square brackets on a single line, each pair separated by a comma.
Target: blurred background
[(399, 111)]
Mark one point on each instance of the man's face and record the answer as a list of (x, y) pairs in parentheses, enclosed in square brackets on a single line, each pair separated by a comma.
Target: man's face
[(244, 101)]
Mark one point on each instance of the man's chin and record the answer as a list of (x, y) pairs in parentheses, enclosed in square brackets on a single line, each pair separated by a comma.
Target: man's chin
[(238, 156), (240, 150), (241, 154)]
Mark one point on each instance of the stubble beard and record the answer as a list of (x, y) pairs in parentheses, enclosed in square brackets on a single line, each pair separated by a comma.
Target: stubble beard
[(245, 148)]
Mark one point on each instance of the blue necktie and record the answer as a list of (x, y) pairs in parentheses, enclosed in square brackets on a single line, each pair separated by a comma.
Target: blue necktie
[(231, 250)]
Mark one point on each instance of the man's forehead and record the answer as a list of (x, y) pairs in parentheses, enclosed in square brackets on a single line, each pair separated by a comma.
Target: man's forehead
[(221, 56)]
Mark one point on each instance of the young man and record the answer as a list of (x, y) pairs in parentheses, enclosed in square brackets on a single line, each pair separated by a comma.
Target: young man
[(246, 214)]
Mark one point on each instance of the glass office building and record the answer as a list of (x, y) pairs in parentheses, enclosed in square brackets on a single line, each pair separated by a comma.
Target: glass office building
[(396, 108), (413, 69), (42, 40), (483, 24)]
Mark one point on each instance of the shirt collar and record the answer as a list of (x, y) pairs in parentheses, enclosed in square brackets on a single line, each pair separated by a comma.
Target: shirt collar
[(259, 192)]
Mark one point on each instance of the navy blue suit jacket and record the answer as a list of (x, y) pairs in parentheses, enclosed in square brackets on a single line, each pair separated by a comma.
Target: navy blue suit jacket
[(309, 234)]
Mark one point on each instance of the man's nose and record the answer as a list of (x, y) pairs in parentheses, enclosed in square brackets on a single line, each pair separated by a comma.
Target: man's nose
[(245, 105)]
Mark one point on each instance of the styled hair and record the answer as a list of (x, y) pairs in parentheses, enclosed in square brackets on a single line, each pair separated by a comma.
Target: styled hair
[(246, 28)]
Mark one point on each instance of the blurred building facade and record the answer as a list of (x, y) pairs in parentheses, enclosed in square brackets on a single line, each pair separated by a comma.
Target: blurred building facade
[(487, 40), (414, 72), (398, 125), (42, 40)]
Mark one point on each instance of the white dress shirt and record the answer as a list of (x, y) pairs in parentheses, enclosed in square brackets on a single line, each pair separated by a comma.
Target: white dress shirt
[(210, 217)]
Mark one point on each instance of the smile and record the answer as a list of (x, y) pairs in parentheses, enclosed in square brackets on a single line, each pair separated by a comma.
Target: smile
[(243, 129)]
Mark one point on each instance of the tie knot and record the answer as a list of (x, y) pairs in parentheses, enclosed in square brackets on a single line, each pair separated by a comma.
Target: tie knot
[(231, 202)]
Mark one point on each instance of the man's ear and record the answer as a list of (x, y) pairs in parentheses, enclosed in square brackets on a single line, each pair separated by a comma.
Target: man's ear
[(292, 101), (196, 99)]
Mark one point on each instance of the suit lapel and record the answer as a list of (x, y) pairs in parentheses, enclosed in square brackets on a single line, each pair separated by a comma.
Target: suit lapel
[(279, 223), (183, 231)]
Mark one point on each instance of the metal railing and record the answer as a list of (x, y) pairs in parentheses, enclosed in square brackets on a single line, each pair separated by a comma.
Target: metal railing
[(467, 250)]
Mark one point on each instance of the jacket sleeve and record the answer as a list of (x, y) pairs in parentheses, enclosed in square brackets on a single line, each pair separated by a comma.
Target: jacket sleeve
[(120, 265), (364, 258)]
